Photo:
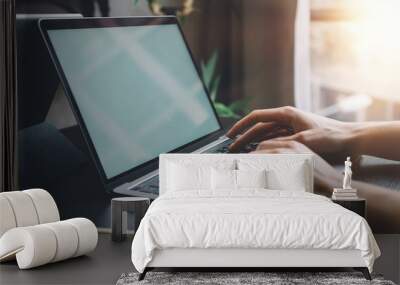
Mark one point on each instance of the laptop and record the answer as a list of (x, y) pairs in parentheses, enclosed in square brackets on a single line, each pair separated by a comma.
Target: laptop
[(136, 93)]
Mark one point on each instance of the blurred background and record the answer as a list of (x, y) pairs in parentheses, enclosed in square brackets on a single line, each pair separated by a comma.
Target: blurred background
[(354, 49), (334, 57)]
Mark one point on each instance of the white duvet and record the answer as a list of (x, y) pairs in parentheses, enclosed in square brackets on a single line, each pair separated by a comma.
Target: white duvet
[(250, 219)]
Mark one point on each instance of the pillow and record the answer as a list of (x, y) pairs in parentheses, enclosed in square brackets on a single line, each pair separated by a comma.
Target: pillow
[(251, 178), (295, 181), (193, 174), (223, 179), (186, 177), (226, 179), (282, 174)]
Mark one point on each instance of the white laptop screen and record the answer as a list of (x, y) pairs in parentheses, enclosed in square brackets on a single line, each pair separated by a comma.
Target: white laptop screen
[(137, 91)]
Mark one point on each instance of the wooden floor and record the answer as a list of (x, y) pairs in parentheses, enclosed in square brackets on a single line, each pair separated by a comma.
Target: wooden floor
[(103, 266)]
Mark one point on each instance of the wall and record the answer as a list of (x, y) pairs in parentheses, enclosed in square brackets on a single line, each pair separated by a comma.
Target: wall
[(268, 31)]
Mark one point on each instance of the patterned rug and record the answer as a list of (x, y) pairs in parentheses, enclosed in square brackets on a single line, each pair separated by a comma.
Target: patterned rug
[(243, 278)]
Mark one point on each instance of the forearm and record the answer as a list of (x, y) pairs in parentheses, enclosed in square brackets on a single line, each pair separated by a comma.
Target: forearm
[(381, 139)]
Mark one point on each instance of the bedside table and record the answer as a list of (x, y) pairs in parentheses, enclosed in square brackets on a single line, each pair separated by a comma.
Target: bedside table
[(357, 206), (119, 208)]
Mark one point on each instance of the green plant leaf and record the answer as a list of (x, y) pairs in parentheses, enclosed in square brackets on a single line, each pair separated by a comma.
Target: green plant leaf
[(182, 19), (212, 62), (205, 76), (208, 69), (224, 111), (214, 87), (135, 2), (241, 106)]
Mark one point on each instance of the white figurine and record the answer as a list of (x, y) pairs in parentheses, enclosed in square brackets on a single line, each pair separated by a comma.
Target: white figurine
[(347, 174)]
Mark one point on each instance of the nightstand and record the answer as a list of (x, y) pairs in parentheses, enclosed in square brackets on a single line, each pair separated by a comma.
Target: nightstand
[(119, 208), (357, 206)]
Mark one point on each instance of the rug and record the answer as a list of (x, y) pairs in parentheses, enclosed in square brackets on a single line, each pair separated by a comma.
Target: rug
[(273, 278)]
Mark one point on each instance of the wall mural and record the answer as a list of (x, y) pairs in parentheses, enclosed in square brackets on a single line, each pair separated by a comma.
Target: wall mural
[(246, 63)]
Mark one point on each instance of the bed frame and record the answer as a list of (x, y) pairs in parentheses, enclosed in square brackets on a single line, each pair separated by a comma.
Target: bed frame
[(243, 259), (246, 258)]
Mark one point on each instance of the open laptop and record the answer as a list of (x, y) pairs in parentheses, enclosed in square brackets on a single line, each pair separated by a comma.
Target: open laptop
[(136, 93)]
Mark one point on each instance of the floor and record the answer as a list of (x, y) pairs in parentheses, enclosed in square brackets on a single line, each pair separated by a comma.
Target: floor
[(103, 266)]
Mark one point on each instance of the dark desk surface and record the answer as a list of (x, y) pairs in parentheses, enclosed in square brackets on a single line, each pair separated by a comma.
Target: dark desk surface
[(103, 266), (385, 173)]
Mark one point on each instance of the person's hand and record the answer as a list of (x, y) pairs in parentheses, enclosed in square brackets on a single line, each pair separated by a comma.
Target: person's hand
[(322, 135), (326, 177)]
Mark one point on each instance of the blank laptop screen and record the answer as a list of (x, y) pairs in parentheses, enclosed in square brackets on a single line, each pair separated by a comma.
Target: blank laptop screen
[(136, 89)]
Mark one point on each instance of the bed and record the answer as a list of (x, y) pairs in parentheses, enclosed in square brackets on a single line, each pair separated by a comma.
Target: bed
[(246, 211)]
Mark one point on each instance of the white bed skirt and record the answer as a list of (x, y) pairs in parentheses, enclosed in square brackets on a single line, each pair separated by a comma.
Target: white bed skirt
[(193, 257)]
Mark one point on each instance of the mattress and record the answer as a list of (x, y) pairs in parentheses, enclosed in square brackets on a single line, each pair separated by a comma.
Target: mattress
[(250, 219)]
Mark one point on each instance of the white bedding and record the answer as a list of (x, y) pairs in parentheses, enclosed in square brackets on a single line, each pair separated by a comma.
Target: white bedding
[(250, 219)]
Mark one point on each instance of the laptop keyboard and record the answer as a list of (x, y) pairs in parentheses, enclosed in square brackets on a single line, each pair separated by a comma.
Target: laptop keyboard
[(224, 148), (220, 148), (151, 186)]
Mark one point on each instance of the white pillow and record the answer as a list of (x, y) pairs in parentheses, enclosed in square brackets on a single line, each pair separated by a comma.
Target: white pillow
[(193, 174), (223, 179), (226, 179), (186, 177), (296, 181), (282, 174), (251, 178)]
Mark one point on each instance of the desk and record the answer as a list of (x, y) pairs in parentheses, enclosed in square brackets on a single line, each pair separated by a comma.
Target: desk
[(382, 172), (357, 206)]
